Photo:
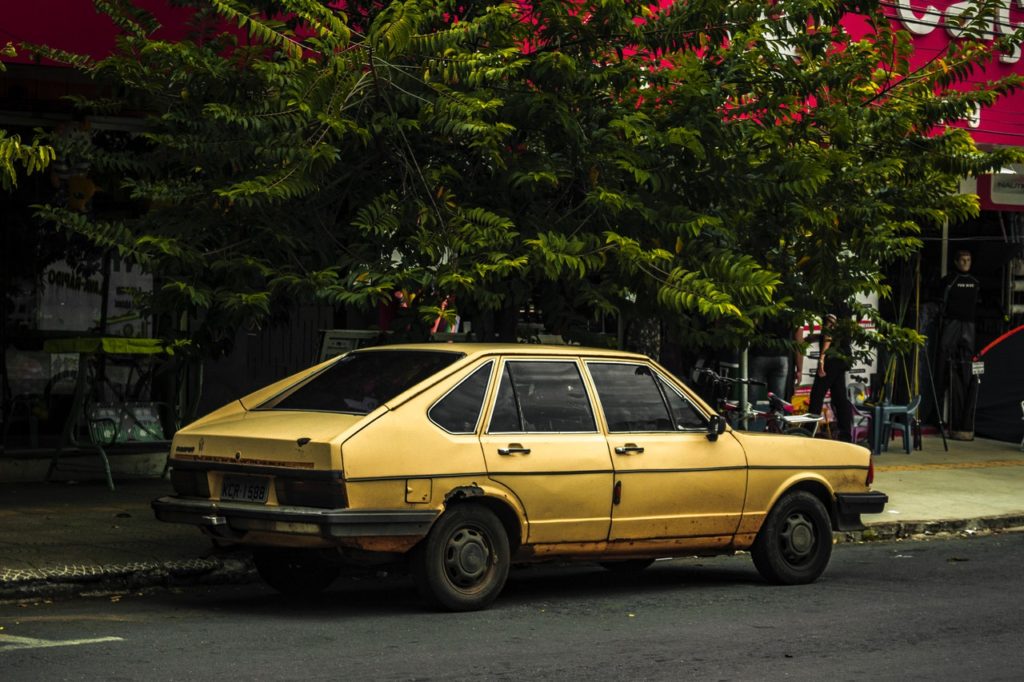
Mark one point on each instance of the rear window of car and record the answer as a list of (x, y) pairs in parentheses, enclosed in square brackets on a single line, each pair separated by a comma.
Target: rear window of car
[(358, 383), (459, 410)]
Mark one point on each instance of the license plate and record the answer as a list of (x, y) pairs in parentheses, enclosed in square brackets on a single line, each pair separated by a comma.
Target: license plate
[(245, 489)]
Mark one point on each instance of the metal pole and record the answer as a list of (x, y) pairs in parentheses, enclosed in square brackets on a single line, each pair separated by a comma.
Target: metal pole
[(744, 395), (944, 265)]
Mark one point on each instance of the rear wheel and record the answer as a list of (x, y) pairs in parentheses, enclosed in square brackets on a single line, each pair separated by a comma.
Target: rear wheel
[(295, 572), (795, 543), (463, 563)]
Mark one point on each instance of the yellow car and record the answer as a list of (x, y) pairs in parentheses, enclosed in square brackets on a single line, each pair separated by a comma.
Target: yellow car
[(465, 458)]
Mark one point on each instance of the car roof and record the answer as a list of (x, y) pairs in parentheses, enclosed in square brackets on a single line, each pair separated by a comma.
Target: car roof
[(525, 349)]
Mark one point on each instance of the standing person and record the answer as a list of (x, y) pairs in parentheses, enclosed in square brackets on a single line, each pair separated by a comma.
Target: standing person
[(769, 356), (956, 346), (833, 363)]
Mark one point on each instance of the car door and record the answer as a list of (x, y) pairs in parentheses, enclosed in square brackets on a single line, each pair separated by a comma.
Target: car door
[(543, 444), (670, 480)]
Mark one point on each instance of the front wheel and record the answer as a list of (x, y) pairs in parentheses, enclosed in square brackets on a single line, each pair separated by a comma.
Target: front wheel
[(295, 572), (794, 545), (463, 563), (797, 431)]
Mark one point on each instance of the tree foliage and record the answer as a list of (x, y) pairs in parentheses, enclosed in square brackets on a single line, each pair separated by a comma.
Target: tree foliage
[(710, 163), (14, 153)]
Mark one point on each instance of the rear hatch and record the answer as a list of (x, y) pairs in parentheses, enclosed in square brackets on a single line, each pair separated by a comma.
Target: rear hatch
[(274, 446), (266, 438), (263, 457)]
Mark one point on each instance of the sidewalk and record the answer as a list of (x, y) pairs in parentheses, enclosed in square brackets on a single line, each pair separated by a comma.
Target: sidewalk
[(64, 539)]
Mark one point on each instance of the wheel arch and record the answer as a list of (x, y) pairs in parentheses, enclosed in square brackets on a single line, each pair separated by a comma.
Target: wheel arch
[(820, 490), (500, 506)]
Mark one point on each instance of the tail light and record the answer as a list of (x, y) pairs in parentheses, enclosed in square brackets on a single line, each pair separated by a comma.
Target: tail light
[(190, 483), (322, 493), (871, 471)]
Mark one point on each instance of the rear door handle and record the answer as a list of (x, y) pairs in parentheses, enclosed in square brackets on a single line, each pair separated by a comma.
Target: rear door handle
[(629, 449), (514, 449)]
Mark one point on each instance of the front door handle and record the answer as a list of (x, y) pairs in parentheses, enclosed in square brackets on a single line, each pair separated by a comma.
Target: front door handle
[(514, 449), (629, 449)]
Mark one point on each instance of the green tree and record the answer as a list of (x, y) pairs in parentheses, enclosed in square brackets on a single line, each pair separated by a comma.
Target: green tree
[(708, 163), (13, 153)]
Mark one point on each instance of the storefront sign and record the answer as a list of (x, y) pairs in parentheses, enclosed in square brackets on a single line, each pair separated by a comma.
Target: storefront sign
[(934, 24), (1008, 189), (997, 192), (926, 18), (71, 299)]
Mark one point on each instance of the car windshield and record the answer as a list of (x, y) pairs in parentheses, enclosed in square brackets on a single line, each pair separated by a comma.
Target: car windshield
[(359, 382)]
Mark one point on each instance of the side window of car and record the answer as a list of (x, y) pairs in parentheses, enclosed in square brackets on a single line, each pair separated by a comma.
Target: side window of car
[(459, 410), (685, 415), (506, 417), (542, 397), (630, 397)]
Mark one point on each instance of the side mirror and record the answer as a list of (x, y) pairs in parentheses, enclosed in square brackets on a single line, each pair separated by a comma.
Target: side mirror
[(716, 427)]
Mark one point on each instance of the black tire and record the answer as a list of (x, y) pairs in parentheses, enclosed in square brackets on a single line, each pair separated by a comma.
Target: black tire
[(794, 545), (463, 563), (295, 572), (627, 567), (797, 431)]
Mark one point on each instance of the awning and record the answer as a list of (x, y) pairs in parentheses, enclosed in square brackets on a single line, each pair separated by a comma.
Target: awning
[(111, 345)]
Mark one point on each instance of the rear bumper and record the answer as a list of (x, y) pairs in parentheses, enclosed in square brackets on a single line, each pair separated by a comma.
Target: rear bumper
[(235, 518), (849, 507)]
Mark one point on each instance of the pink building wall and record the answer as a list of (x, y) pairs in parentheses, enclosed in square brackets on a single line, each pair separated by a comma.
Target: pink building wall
[(931, 25), (74, 25)]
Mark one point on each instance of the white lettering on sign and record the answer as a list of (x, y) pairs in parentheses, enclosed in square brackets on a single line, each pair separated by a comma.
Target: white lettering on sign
[(974, 119), (1007, 188), (1007, 27), (958, 16), (918, 24), (72, 280), (923, 21)]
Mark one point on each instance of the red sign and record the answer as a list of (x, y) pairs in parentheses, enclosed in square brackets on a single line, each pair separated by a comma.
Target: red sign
[(77, 27), (933, 25)]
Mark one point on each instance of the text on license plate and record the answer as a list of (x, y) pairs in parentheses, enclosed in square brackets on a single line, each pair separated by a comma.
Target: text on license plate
[(245, 488)]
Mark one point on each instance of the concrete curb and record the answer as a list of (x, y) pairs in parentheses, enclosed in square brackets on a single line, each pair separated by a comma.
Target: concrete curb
[(83, 581), (900, 530), (237, 568)]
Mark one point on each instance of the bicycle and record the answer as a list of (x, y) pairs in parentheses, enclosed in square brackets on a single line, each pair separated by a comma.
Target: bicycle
[(782, 420), (720, 387), (778, 418)]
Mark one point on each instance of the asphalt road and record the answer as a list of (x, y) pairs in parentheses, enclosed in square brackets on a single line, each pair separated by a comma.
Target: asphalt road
[(937, 609)]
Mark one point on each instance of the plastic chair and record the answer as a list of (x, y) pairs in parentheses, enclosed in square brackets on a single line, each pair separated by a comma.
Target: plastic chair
[(861, 427), (888, 417)]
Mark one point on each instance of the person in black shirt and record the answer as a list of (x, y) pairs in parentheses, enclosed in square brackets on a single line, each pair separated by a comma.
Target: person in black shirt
[(833, 363), (956, 345), (959, 299)]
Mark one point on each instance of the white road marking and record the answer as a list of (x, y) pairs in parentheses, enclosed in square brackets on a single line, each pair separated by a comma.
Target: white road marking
[(10, 642)]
